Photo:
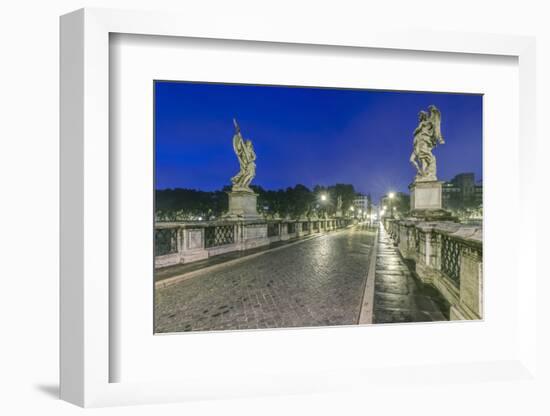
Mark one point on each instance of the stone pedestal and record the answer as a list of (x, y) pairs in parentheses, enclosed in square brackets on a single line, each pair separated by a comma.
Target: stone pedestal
[(242, 205), (427, 200), (426, 195)]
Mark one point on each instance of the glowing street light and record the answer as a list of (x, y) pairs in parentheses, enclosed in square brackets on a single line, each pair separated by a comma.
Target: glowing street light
[(323, 197), (391, 195)]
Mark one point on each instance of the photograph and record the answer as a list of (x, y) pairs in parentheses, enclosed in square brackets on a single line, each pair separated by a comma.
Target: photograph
[(293, 207)]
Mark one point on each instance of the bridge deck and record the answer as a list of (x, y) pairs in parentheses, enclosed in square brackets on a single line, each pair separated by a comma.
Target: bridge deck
[(317, 282)]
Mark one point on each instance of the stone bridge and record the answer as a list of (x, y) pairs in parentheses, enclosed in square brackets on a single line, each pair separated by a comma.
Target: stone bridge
[(272, 274)]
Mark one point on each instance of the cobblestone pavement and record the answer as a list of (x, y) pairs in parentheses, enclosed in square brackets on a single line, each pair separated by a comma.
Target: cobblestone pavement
[(317, 282), (399, 296)]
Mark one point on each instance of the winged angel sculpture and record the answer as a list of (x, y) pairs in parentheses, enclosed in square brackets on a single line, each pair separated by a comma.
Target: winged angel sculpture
[(426, 136), (247, 157), (339, 203)]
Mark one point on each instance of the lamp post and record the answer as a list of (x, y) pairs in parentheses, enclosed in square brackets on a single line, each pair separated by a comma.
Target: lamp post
[(322, 201), (391, 195)]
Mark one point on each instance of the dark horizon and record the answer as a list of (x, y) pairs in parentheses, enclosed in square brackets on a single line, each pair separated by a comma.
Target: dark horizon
[(228, 184), (309, 136)]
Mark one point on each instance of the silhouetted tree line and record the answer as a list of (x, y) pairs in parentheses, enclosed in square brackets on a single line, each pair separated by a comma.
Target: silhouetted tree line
[(292, 202)]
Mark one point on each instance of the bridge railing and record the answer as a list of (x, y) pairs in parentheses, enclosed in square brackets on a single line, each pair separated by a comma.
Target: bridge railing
[(188, 241), (449, 256)]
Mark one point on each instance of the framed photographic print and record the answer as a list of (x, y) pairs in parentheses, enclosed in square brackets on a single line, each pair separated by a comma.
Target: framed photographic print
[(254, 214)]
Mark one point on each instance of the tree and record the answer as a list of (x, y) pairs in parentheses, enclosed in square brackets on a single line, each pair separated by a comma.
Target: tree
[(346, 191), (295, 202), (300, 201)]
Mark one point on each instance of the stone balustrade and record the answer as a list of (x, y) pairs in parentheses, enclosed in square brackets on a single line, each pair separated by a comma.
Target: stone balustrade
[(185, 242), (447, 255)]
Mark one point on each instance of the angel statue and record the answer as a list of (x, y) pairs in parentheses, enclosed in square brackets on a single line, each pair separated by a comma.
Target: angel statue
[(426, 136), (339, 205), (245, 152)]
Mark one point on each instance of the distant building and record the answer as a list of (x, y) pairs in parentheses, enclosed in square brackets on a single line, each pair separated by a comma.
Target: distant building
[(462, 192), (361, 202), (478, 193), (374, 212)]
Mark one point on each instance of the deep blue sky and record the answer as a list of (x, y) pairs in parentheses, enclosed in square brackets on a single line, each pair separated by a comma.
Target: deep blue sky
[(307, 135)]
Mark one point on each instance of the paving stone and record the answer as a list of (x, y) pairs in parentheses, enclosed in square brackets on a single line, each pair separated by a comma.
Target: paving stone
[(385, 300), (317, 282), (392, 286)]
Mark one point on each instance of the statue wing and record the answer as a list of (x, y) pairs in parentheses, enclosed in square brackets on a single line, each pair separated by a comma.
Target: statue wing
[(435, 118)]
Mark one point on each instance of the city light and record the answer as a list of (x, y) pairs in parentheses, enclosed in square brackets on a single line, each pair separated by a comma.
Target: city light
[(391, 195), (351, 209), (323, 197)]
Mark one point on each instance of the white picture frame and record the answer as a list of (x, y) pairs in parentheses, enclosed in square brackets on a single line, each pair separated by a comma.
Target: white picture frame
[(85, 203)]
